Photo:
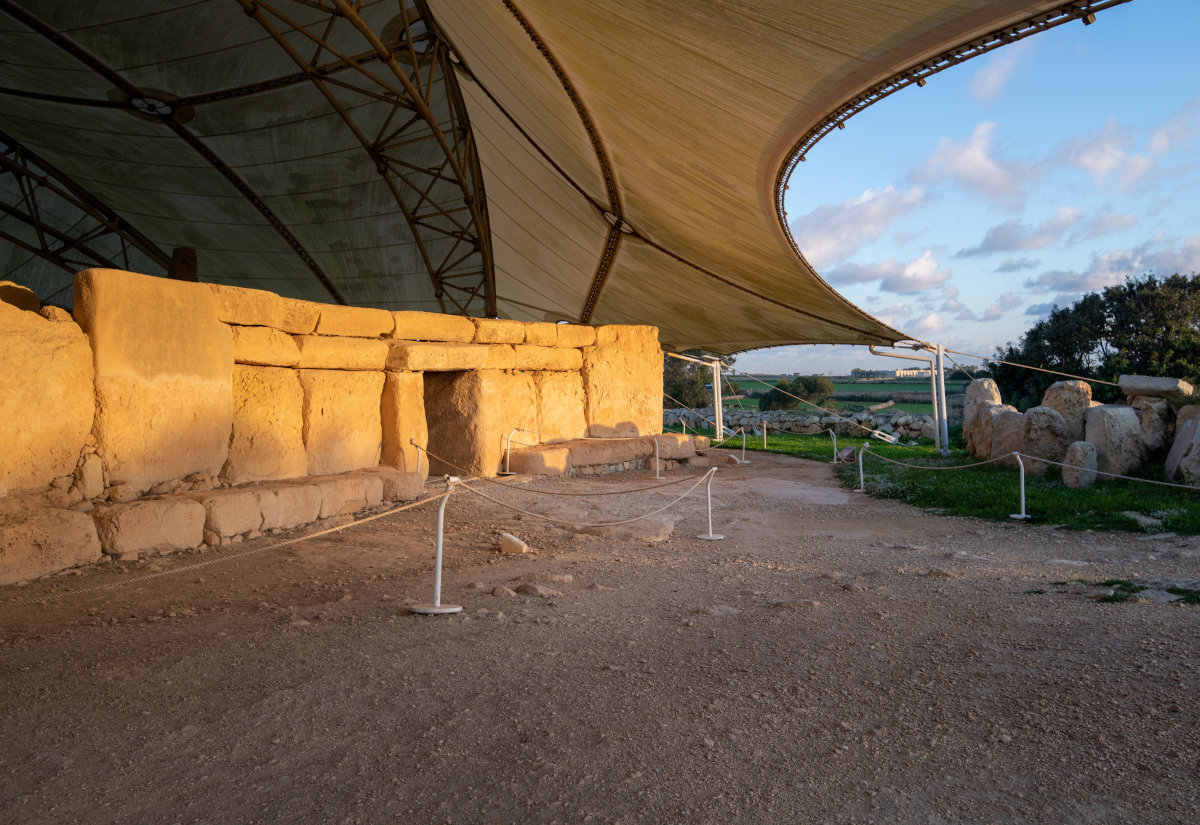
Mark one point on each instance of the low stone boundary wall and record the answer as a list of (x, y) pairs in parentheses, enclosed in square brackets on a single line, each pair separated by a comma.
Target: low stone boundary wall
[(894, 422), (601, 456)]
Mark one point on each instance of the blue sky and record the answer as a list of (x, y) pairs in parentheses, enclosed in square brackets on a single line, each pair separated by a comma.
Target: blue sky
[(962, 211)]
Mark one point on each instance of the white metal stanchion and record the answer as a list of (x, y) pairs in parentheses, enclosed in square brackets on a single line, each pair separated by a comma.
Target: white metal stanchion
[(711, 536), (437, 608), (657, 464), (744, 461), (508, 454), (833, 435), (764, 426), (718, 402), (1021, 465), (862, 487), (943, 422)]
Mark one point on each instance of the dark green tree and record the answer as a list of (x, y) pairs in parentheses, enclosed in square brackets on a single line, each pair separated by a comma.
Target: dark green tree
[(686, 382), (816, 389)]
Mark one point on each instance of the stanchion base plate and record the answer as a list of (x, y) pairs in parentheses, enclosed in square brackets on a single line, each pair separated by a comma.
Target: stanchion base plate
[(505, 473), (436, 609), (1020, 517), (711, 537)]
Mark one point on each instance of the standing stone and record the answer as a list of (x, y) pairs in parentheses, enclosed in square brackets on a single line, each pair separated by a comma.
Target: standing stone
[(267, 442), (561, 404), (1008, 435), (1152, 414), (1080, 459), (1116, 433), (1185, 447), (342, 426), (1072, 400), (164, 374), (622, 379), (1135, 385), (1046, 436), (981, 394), (403, 417), (46, 397)]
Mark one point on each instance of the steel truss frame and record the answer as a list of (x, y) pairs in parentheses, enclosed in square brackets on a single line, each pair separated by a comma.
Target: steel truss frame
[(443, 204), (80, 245)]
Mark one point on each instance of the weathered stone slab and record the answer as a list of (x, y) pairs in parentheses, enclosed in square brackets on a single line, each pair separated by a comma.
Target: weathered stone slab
[(541, 334), (267, 499), (163, 375), (46, 397), (419, 356), (1152, 414), (403, 419), (469, 415), (341, 495), (561, 404), (354, 322), (500, 357), (247, 307), (675, 446), (39, 541), (267, 441), (1072, 399), (432, 326), (498, 331), (401, 486), (342, 426), (1046, 436), (1116, 434), (576, 335), (89, 476), (1008, 434), (547, 358), (545, 461), (21, 297), (232, 512), (299, 504), (299, 317), (327, 352), (152, 526), (1186, 413), (609, 451), (622, 381), (1135, 385), (1184, 457), (1081, 460), (264, 346), (981, 395)]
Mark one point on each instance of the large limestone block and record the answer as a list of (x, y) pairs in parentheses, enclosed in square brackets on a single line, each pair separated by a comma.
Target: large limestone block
[(419, 356), (575, 335), (89, 476), (164, 375), (299, 504), (403, 418), (1186, 413), (1080, 459), (609, 451), (561, 405), (622, 380), (248, 307), (1115, 432), (342, 426), (470, 414), (21, 297), (299, 317), (1135, 385), (399, 485), (322, 352), (547, 358), (152, 526), (354, 322), (342, 495), (233, 512), (1185, 448), (39, 541), (981, 394), (1072, 399), (500, 357), (1008, 435), (675, 446), (46, 397), (498, 331), (267, 442), (541, 334), (432, 326), (264, 346), (1046, 436), (542, 461), (1152, 414)]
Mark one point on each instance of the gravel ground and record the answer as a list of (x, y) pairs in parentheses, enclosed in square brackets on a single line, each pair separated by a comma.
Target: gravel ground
[(833, 659)]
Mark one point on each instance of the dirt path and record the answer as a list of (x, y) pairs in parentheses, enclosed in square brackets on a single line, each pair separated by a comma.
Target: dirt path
[(834, 659)]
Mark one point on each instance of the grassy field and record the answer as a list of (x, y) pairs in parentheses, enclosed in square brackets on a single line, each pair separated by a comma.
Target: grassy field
[(991, 491)]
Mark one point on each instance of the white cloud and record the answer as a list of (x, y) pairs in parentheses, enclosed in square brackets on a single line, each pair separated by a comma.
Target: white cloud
[(835, 231), (893, 276), (973, 164), (1015, 265), (997, 69), (929, 327), (1107, 223), (1014, 235), (1107, 154), (1000, 308), (951, 302), (1115, 265), (894, 315)]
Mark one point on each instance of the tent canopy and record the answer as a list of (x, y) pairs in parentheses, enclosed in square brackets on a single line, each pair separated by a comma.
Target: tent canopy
[(602, 161)]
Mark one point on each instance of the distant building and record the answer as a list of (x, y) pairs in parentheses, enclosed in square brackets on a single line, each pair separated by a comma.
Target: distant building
[(913, 373)]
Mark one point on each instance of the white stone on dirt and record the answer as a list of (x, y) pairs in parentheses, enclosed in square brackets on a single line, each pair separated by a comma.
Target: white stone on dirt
[(531, 589), (511, 544)]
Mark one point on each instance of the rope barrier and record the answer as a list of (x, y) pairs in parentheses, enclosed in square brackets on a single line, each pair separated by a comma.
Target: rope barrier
[(929, 467), (27, 600), (1038, 369), (552, 520)]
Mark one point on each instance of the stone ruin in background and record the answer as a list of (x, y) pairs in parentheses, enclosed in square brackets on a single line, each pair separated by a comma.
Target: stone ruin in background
[(1071, 428)]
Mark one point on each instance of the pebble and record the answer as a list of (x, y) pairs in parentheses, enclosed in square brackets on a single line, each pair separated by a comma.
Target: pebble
[(937, 572), (501, 590), (531, 589)]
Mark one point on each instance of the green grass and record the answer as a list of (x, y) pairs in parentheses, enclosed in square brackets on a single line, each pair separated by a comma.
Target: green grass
[(991, 491)]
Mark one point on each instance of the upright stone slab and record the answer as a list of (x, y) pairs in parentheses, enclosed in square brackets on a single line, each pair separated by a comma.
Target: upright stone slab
[(1116, 434), (342, 427), (1152, 415), (1008, 435), (46, 397), (469, 415), (1080, 459), (622, 380), (981, 394), (1046, 436), (403, 417), (38, 541), (1072, 399), (561, 403), (267, 443), (164, 375), (1187, 442)]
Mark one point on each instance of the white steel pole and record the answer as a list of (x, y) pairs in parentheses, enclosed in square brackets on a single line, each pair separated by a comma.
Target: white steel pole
[(937, 419), (718, 403), (437, 608), (943, 423)]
